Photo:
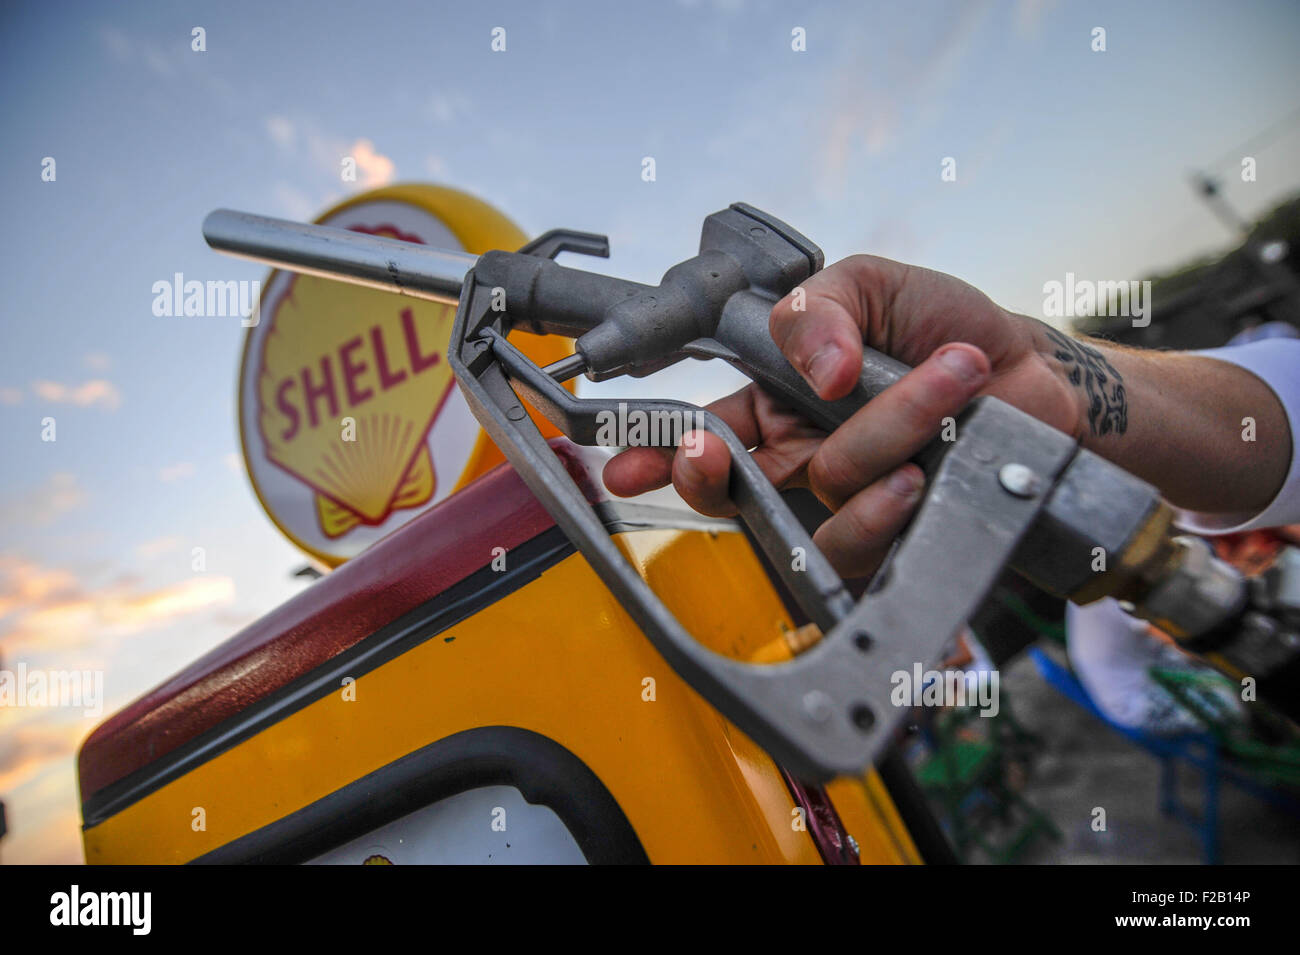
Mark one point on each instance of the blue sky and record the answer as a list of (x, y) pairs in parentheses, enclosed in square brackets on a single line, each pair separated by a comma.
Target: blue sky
[(1067, 160)]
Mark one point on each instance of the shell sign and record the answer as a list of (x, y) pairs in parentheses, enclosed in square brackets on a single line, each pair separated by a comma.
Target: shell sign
[(350, 419)]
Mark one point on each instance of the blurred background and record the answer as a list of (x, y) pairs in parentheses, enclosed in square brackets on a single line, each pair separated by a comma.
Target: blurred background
[(1117, 164)]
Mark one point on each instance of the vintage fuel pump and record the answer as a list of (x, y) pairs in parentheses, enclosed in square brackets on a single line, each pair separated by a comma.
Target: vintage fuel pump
[(1009, 491)]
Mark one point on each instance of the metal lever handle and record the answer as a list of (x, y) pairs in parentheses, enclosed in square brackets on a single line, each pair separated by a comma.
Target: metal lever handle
[(743, 341)]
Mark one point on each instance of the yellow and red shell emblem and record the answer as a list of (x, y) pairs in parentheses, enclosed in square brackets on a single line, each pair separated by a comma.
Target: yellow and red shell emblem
[(352, 421), (349, 419)]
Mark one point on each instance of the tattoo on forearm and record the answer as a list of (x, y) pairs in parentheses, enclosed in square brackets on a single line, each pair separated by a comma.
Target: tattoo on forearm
[(1088, 369)]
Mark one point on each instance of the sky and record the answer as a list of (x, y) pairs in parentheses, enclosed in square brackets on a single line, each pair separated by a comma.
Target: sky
[(1067, 160)]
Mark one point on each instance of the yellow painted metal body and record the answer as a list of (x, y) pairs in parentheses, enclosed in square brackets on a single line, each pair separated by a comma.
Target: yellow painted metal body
[(560, 657)]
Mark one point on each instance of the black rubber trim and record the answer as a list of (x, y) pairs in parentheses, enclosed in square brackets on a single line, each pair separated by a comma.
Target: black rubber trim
[(913, 808), (482, 588), (541, 769)]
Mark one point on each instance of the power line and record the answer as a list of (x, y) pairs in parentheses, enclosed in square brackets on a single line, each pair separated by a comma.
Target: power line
[(1235, 154)]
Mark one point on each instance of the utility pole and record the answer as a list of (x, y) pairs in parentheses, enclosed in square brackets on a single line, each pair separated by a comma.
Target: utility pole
[(1208, 189)]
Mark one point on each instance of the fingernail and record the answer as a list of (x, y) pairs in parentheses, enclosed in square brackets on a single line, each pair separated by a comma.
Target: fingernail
[(962, 363), (905, 482), (822, 365)]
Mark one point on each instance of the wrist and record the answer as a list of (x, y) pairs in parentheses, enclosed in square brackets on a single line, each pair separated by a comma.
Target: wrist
[(1186, 436), (1082, 385)]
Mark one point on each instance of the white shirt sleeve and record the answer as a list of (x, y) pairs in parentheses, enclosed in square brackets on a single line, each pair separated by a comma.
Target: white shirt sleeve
[(1276, 362)]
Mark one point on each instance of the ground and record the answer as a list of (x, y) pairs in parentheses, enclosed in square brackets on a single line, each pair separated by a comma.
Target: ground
[(1085, 764)]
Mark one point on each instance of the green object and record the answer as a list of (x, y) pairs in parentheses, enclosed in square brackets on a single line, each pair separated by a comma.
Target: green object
[(1206, 696), (1051, 629), (966, 774)]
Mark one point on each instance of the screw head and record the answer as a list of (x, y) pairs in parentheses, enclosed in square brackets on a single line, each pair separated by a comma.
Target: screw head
[(817, 706), (1019, 480)]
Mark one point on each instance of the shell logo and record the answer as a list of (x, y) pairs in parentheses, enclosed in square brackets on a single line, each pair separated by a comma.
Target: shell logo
[(352, 423), (350, 419)]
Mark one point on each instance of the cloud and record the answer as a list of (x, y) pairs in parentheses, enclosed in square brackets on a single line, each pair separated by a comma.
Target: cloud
[(281, 130), (233, 461), (45, 503), (132, 612), (157, 546), (177, 471), (447, 107), (903, 89), (56, 838), (23, 582), (27, 747), (38, 779), (11, 396), (117, 43), (47, 611), (157, 61), (47, 608), (376, 169), (1029, 14), (234, 620), (318, 157), (97, 361), (127, 49), (97, 391), (174, 58)]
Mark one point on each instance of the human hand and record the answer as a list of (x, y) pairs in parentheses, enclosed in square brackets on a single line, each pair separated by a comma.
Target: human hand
[(961, 344)]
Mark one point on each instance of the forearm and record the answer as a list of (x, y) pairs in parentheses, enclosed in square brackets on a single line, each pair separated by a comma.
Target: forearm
[(1212, 436)]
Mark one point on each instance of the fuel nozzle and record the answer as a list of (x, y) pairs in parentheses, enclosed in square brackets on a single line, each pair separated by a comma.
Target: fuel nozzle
[(743, 251), (1235, 624), (1192, 592)]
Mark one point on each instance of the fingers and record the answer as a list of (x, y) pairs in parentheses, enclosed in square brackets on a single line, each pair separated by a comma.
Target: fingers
[(638, 470), (821, 325), (702, 485), (782, 442), (700, 472), (857, 537), (701, 478), (900, 421)]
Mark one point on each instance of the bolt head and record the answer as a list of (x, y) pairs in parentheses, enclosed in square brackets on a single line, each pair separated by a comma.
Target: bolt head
[(817, 706), (1019, 480)]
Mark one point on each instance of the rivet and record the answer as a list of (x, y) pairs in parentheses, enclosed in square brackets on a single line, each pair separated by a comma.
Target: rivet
[(1018, 480), (817, 706)]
